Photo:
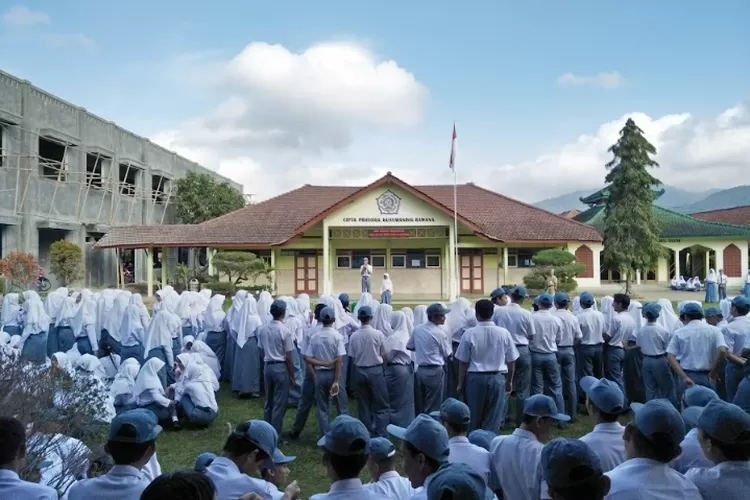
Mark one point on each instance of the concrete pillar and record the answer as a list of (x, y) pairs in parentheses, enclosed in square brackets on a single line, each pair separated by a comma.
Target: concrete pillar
[(708, 263), (446, 272), (149, 271), (163, 267), (505, 266), (274, 274), (719, 252), (453, 265), (210, 258), (638, 277), (677, 263), (327, 284)]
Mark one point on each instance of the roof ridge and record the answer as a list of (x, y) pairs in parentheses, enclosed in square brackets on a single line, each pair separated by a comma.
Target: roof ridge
[(720, 210), (246, 207), (701, 221)]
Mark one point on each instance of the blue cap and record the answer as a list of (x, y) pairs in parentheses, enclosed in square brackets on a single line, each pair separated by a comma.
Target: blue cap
[(327, 315), (346, 437), (587, 299), (692, 309), (143, 421), (741, 302), (519, 291), (437, 309), (657, 418), (203, 461), (604, 394), (498, 292), (482, 438), (454, 412), (724, 422), (261, 434), (344, 298), (698, 395), (569, 462), (545, 300), (458, 479), (561, 298), (713, 311), (278, 458), (652, 310), (426, 435), (365, 312), (278, 305), (381, 448), (540, 405)]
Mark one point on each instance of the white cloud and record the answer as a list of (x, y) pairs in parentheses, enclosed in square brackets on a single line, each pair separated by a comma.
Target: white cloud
[(70, 40), (607, 80), (23, 16)]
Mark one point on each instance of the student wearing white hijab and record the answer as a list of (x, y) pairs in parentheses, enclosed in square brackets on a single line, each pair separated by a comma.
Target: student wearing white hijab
[(132, 333), (675, 283), (11, 315), (35, 325), (365, 299), (632, 365), (409, 313), (201, 350), (121, 389), (84, 325), (189, 311), (159, 343), (111, 322), (296, 324), (712, 291), (52, 305), (60, 361), (149, 391), (386, 289), (198, 401), (303, 304), (264, 306), (246, 376), (399, 371), (90, 368), (213, 327), (608, 311), (458, 321), (420, 315), (382, 319), (667, 317), (65, 316), (233, 319)]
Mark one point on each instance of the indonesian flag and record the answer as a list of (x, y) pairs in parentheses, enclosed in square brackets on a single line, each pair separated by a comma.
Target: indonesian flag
[(453, 149)]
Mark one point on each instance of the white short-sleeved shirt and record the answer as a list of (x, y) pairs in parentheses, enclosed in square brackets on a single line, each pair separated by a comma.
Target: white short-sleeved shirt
[(515, 465), (692, 456), (622, 329), (122, 482), (276, 340), (348, 489), (724, 481), (695, 345), (14, 488), (653, 339), (479, 459), (487, 348), (592, 326), (737, 334), (392, 485), (231, 483), (516, 320), (325, 345), (431, 344), (367, 346), (606, 441), (547, 332), (571, 328), (646, 479)]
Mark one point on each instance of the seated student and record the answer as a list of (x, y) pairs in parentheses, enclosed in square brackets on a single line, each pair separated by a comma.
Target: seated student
[(515, 458), (605, 401), (456, 481), (572, 471), (725, 438), (652, 440), (344, 456), (482, 438), (131, 443), (675, 283), (197, 401), (180, 485), (456, 418), (382, 468), (121, 389), (12, 460), (275, 473), (203, 461), (149, 393), (692, 454)]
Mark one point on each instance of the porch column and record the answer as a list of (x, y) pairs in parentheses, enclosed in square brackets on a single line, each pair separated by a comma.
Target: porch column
[(719, 252), (149, 272), (326, 261), (505, 266), (164, 267), (274, 285), (453, 265), (677, 263), (210, 259), (708, 262), (638, 277)]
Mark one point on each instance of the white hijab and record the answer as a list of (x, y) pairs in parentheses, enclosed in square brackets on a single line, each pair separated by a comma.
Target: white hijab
[(213, 318), (113, 319), (382, 320), (91, 365), (63, 362), (198, 384), (420, 315), (264, 306), (636, 312), (125, 379), (249, 321), (303, 304), (726, 308), (608, 311), (67, 312), (35, 318), (457, 318), (208, 356), (131, 329), (11, 310), (409, 318), (189, 309), (160, 332), (667, 318), (234, 315), (137, 301), (711, 276), (54, 302), (399, 336), (148, 379), (365, 299)]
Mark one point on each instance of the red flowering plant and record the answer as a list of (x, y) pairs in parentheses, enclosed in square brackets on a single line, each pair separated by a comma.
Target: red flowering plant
[(21, 270)]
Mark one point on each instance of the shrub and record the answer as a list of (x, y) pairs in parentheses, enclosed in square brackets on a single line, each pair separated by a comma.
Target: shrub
[(253, 289), (222, 287), (241, 266), (564, 265), (66, 261), (21, 270)]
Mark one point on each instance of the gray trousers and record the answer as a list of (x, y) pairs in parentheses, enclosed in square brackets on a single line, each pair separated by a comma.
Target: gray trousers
[(613, 360), (590, 361), (428, 389), (371, 392), (742, 396), (305, 403), (485, 397), (733, 375), (658, 379), (521, 383), (546, 377), (366, 284), (323, 382), (277, 384), (566, 358)]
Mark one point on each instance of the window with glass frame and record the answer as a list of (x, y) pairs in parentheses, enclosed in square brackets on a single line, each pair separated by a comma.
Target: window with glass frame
[(432, 260), (512, 260), (377, 260), (344, 261), (398, 260)]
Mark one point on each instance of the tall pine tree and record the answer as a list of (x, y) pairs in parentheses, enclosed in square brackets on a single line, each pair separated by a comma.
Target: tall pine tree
[(631, 232)]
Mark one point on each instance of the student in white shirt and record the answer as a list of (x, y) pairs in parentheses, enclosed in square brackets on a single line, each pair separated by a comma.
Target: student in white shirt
[(725, 439), (12, 460), (365, 271), (543, 347), (692, 455), (432, 347), (605, 400), (653, 339), (620, 331), (386, 289), (307, 400), (722, 284), (275, 472), (572, 471), (590, 360), (652, 440), (737, 336), (276, 343), (382, 468), (570, 338)]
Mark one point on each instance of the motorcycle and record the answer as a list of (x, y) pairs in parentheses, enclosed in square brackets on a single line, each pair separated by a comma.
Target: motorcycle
[(43, 284)]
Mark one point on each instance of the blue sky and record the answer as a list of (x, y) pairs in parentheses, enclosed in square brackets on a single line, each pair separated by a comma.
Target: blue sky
[(493, 67)]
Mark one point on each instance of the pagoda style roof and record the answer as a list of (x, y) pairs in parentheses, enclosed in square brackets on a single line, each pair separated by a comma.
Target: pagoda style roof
[(600, 197)]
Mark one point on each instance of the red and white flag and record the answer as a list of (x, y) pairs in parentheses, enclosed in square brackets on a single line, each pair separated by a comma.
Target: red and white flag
[(453, 149)]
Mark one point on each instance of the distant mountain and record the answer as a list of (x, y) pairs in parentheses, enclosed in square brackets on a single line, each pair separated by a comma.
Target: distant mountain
[(673, 197), (717, 200)]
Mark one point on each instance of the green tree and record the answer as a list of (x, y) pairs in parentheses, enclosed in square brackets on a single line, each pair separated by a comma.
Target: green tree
[(66, 261), (200, 198), (631, 232), (241, 266), (564, 264)]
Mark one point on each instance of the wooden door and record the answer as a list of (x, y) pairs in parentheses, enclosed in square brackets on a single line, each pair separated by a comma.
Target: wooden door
[(472, 273), (306, 274)]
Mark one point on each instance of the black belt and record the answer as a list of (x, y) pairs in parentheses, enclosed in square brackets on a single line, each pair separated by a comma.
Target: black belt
[(430, 366), (655, 355), (486, 373), (323, 368), (615, 347), (371, 366), (274, 362), (565, 347), (522, 345), (696, 371), (397, 364)]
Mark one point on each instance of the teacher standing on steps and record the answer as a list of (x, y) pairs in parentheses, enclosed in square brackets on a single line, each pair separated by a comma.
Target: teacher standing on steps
[(365, 270)]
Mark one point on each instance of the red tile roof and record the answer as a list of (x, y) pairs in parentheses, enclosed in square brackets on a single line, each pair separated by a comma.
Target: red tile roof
[(275, 221), (739, 216)]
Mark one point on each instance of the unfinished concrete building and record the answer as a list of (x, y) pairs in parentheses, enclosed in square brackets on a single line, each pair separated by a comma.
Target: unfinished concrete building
[(68, 174)]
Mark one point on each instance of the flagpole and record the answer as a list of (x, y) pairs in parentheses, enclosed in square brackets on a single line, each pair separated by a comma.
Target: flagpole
[(456, 264)]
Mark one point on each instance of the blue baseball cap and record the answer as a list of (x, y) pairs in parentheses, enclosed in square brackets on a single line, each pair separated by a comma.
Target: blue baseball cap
[(344, 298), (365, 312), (482, 438), (261, 434), (426, 435), (569, 462), (278, 458), (540, 405), (545, 300), (659, 417), (604, 394), (144, 423), (453, 412), (203, 461), (498, 292), (741, 302), (437, 309), (381, 448), (698, 395), (561, 298), (278, 306), (692, 309), (587, 299), (713, 311), (652, 310), (327, 315), (458, 479), (346, 437), (519, 291), (724, 422)]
